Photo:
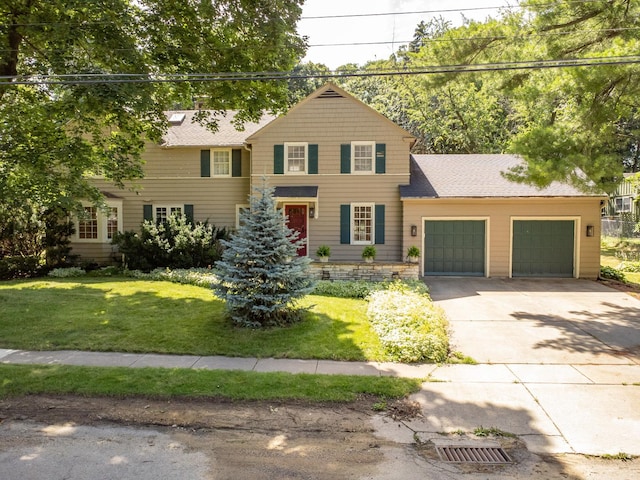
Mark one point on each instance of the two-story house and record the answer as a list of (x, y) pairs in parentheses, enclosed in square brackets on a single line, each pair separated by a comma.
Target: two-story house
[(344, 177)]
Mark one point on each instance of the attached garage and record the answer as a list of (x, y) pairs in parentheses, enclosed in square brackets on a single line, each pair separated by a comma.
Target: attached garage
[(468, 218), (454, 247), (543, 248)]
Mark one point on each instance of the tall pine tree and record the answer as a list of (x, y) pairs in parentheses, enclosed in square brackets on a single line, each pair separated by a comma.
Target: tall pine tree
[(261, 276)]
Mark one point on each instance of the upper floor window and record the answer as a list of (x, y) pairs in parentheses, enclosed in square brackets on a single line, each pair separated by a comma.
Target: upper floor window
[(623, 204), (363, 157), (295, 157), (221, 163)]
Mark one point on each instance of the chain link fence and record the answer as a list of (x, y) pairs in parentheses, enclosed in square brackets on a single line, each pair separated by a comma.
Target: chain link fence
[(620, 228)]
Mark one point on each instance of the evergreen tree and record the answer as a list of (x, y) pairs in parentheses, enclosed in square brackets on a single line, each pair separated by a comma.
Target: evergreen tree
[(261, 276)]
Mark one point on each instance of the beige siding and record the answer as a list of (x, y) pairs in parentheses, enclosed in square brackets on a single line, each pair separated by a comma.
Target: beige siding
[(184, 162), (330, 123), (214, 199), (500, 213), (337, 190)]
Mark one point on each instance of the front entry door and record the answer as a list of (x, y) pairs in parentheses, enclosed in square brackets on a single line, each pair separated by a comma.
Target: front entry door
[(297, 220)]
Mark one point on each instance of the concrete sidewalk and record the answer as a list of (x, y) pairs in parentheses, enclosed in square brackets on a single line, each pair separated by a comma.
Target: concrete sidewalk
[(588, 409)]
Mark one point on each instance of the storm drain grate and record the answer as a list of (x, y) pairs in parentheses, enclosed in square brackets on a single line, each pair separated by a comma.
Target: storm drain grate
[(490, 455)]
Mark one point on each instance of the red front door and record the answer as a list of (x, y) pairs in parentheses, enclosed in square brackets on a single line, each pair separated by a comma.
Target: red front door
[(297, 220)]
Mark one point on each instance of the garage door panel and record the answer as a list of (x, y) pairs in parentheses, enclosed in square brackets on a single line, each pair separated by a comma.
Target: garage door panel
[(454, 247), (543, 248)]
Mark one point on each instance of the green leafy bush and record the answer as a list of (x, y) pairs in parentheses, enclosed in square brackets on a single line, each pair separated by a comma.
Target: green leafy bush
[(176, 243), (631, 267), (363, 288), (20, 267), (612, 273), (410, 327)]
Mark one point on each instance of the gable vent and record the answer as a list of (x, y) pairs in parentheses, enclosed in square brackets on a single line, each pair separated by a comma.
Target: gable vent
[(330, 93)]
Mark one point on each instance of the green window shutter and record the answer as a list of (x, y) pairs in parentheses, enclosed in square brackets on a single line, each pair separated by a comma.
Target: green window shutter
[(345, 224), (205, 163), (236, 162), (278, 159), (313, 159), (147, 212), (188, 212), (345, 158), (381, 157), (380, 224)]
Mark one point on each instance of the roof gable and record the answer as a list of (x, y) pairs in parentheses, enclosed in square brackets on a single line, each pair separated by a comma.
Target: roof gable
[(469, 176), (330, 91)]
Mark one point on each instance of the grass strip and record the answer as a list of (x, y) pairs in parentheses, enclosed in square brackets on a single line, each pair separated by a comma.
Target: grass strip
[(16, 380)]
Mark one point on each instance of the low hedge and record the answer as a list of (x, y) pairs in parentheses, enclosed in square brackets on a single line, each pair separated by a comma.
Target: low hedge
[(410, 327)]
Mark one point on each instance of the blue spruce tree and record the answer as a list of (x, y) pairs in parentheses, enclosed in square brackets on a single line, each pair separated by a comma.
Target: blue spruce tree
[(261, 275)]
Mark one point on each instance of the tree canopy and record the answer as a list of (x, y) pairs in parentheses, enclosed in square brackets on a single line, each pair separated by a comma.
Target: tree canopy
[(81, 82), (559, 118)]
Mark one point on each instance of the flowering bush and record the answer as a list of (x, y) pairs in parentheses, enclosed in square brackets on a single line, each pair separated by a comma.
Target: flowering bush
[(200, 277), (67, 272), (410, 327)]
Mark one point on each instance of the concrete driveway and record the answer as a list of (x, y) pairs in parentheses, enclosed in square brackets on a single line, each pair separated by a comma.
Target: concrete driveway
[(540, 321), (558, 364)]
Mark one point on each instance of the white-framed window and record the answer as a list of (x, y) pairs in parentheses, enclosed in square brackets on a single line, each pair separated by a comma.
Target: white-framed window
[(88, 224), (239, 209), (163, 212), (98, 225), (296, 158), (221, 160), (363, 157), (623, 204), (362, 223)]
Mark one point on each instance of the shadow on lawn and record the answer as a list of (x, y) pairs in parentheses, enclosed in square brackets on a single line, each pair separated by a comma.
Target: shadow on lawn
[(129, 315)]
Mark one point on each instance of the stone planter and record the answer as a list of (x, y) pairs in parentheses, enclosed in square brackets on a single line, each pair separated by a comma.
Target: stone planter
[(323, 259), (368, 259), (412, 259)]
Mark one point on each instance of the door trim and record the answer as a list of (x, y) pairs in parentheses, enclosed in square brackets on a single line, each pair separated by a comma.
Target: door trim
[(487, 238), (576, 238)]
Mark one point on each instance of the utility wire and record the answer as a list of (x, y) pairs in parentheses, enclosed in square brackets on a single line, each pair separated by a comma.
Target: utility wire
[(268, 76)]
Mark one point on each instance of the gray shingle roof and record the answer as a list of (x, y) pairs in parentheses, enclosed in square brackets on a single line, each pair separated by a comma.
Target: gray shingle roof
[(193, 134), (474, 175)]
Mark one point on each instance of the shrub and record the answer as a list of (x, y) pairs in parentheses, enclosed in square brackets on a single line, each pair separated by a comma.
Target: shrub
[(176, 243), (323, 251), (20, 267), (200, 277), (363, 288), (612, 273), (410, 327), (67, 272), (632, 267)]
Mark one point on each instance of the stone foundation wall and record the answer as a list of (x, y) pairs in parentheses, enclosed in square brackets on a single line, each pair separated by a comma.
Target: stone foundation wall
[(376, 271)]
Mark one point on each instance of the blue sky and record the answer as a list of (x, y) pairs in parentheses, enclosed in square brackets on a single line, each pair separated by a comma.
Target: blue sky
[(397, 28)]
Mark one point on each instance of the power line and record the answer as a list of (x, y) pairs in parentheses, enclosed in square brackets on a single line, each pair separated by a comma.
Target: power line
[(270, 76), (446, 10)]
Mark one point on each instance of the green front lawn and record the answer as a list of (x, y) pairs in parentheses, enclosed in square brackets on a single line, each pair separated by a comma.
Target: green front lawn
[(126, 315)]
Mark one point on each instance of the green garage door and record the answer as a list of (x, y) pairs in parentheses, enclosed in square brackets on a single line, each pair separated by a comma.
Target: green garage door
[(543, 248), (454, 247)]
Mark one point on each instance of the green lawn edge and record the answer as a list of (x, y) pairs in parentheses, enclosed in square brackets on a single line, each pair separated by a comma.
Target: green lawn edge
[(19, 380)]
